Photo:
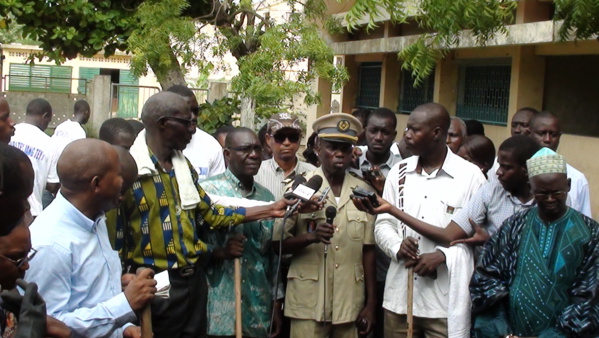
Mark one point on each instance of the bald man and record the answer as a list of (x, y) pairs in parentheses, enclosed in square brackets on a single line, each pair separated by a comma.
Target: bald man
[(163, 211), (431, 186), (77, 272), (7, 125)]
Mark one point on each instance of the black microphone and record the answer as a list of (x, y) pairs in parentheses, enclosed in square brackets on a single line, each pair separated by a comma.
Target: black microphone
[(330, 214), (297, 180), (303, 192)]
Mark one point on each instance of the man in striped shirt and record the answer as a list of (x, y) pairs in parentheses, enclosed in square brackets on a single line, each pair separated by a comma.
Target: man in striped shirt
[(283, 135), (160, 216)]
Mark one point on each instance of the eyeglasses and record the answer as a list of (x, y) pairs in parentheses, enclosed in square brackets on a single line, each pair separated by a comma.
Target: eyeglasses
[(248, 149), (19, 262), (544, 197), (280, 138), (181, 120)]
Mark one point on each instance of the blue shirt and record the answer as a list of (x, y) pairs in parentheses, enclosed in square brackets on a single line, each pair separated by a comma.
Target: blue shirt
[(77, 272)]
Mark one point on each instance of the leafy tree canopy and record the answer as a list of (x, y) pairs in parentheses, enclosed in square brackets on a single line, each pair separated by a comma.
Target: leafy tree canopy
[(442, 20)]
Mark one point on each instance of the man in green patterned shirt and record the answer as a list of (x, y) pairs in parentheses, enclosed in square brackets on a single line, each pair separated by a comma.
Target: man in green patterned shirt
[(251, 241), (160, 216)]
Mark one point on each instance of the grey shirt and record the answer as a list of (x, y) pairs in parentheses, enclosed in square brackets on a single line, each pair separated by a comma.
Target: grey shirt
[(272, 176)]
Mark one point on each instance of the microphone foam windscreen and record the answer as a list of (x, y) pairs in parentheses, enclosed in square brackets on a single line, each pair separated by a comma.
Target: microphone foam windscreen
[(315, 182), (330, 212)]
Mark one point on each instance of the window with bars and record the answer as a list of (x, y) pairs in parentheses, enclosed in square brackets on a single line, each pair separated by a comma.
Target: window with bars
[(411, 97), (484, 93), (40, 78), (370, 85)]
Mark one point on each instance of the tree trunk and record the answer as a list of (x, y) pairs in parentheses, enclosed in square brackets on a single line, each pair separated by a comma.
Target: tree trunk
[(247, 112), (168, 76)]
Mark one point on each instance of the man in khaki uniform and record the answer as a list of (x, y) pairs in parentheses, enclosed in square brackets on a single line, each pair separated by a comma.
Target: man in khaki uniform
[(346, 303)]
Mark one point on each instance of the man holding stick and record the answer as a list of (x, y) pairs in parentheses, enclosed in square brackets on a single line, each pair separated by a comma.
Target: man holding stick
[(431, 186)]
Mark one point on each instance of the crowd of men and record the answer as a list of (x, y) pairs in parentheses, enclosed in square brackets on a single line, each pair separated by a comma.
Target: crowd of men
[(430, 233)]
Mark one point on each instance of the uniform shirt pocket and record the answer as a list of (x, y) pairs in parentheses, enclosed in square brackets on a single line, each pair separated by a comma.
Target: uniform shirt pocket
[(356, 225), (302, 281)]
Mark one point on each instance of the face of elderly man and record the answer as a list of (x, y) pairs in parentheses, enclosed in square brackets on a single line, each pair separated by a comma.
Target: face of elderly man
[(455, 135)]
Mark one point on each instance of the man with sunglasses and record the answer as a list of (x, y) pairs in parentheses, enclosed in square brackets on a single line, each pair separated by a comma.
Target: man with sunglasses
[(203, 151), (537, 276), (283, 135)]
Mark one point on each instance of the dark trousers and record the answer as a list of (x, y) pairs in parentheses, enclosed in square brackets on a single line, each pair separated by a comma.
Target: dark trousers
[(184, 313), (379, 326)]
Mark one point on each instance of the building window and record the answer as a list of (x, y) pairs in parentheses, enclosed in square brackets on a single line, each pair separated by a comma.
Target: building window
[(484, 93), (39, 78), (370, 85), (411, 97)]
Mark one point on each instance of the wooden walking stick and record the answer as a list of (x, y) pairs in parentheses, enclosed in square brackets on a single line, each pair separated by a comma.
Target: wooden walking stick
[(238, 329), (146, 317), (410, 317)]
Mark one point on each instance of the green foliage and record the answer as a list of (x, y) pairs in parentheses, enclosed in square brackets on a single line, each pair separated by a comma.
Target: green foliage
[(443, 20), (580, 18), (221, 112)]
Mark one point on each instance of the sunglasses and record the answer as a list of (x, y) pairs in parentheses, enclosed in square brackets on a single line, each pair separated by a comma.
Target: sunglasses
[(280, 137), (183, 121)]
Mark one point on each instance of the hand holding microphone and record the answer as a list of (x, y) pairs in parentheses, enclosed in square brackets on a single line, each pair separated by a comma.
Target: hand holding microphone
[(303, 191)]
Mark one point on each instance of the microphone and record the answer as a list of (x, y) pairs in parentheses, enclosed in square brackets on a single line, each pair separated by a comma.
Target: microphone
[(303, 192), (330, 214), (297, 180)]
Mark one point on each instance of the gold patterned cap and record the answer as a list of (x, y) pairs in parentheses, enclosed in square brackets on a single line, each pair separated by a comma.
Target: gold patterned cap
[(339, 127), (546, 161)]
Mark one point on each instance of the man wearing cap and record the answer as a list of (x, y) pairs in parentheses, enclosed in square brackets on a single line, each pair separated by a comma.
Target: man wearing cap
[(283, 135), (331, 281), (538, 274)]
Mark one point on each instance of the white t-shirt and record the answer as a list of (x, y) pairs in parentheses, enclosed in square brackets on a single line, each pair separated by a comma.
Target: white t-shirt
[(434, 199), (205, 154), (38, 146)]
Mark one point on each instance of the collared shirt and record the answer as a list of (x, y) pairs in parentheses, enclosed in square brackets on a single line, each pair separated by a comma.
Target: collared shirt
[(258, 266), (433, 198), (489, 207), (39, 148), (365, 165), (205, 154), (272, 176), (77, 272), (153, 229)]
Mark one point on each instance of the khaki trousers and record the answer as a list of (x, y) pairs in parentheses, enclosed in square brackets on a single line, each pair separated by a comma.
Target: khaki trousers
[(304, 328), (396, 326)]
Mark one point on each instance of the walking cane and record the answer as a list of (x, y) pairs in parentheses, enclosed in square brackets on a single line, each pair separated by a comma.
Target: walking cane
[(410, 319), (146, 318), (238, 330)]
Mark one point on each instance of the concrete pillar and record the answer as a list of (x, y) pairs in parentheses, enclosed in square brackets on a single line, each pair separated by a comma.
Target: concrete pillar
[(533, 11), (217, 90), (446, 83), (324, 88), (349, 92), (390, 78), (99, 102), (527, 81)]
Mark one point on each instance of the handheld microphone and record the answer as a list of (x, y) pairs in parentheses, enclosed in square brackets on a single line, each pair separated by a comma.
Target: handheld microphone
[(330, 214), (303, 192), (297, 180)]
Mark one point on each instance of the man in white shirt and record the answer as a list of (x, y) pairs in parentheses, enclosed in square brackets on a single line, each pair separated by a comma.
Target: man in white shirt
[(203, 151), (30, 138), (546, 130), (71, 129), (432, 186)]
